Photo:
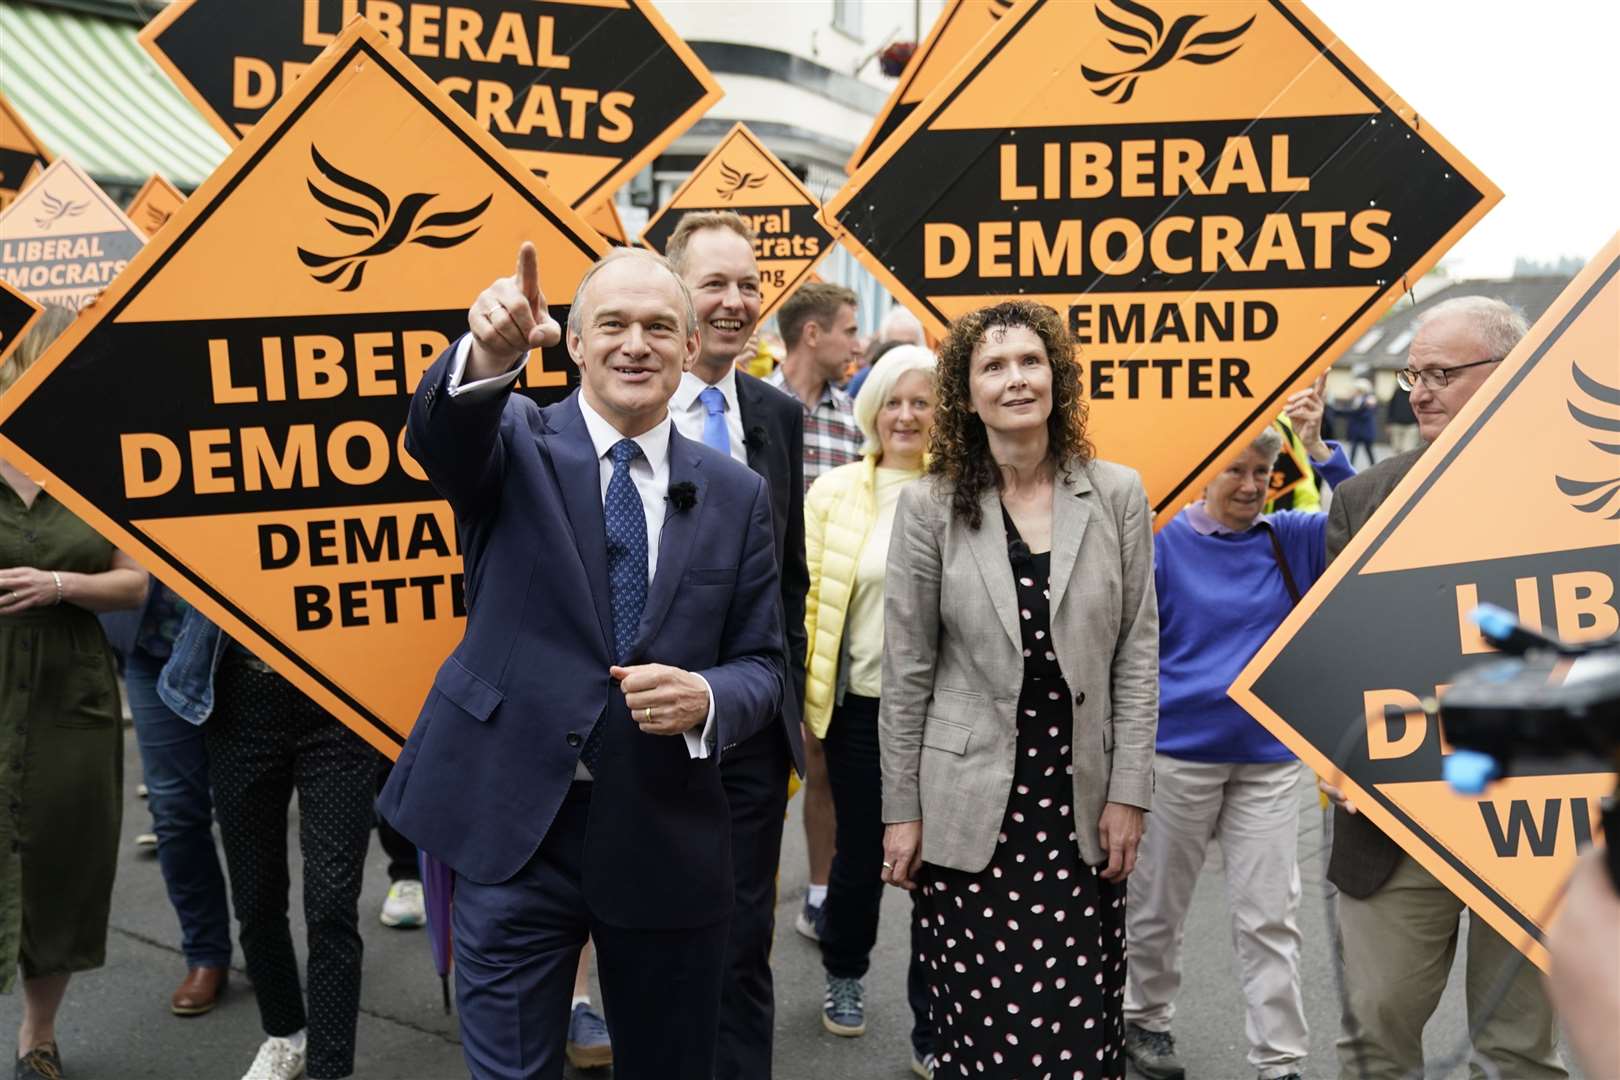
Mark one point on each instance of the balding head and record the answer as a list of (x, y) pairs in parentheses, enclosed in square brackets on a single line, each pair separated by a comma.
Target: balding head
[(1457, 345), (581, 300)]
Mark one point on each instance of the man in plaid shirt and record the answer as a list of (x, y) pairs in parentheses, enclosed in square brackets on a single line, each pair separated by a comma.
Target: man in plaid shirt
[(819, 329)]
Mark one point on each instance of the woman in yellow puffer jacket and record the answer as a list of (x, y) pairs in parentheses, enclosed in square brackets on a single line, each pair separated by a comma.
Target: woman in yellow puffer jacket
[(848, 515)]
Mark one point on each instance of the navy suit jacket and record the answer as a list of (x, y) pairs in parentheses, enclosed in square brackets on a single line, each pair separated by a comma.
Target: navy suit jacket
[(494, 748)]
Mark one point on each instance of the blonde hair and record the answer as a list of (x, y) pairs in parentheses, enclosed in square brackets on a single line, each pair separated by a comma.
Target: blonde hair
[(896, 364), (696, 222), (52, 322)]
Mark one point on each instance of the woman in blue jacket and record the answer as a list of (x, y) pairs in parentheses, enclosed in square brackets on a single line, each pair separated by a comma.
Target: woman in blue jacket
[(1227, 576)]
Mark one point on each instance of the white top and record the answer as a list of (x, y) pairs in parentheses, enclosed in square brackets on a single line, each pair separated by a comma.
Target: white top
[(690, 414), (650, 473)]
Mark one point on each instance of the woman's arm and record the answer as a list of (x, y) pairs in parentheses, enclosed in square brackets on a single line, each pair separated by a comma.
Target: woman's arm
[(911, 589), (1135, 670), (121, 586), (816, 504)]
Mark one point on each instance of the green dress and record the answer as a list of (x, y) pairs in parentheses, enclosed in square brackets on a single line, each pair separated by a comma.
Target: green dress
[(61, 755)]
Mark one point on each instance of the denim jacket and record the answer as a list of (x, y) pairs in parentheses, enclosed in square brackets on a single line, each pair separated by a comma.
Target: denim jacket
[(186, 683)]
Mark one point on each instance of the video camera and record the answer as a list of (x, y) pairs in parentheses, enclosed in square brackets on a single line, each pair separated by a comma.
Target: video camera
[(1549, 699)]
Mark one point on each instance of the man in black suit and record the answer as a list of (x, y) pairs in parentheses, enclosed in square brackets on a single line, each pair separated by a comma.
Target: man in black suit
[(623, 634), (1398, 925), (759, 426)]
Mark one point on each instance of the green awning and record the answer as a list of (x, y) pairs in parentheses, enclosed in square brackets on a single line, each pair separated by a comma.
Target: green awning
[(92, 94)]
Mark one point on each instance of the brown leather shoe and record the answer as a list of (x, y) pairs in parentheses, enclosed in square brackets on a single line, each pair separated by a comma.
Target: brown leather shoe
[(200, 991)]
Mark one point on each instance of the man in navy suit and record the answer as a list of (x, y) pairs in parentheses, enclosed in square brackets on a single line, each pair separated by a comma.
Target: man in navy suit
[(623, 632)]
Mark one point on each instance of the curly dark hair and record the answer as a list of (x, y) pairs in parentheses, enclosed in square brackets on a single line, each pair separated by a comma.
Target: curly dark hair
[(960, 449)]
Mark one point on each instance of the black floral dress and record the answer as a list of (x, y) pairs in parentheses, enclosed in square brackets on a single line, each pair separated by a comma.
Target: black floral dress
[(1026, 958)]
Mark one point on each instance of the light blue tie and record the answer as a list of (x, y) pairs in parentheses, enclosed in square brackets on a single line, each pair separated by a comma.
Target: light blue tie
[(715, 432)]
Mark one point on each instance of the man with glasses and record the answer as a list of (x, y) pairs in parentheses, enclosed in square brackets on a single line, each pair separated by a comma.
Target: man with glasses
[(1398, 925)]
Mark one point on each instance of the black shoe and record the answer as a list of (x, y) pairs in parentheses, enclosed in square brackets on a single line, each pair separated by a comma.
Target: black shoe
[(1153, 1053), (43, 1062)]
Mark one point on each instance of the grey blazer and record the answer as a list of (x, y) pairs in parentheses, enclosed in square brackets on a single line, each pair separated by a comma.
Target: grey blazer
[(953, 662)]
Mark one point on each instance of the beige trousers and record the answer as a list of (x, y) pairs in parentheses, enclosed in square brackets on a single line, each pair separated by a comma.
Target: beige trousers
[(1398, 947), (1253, 812)]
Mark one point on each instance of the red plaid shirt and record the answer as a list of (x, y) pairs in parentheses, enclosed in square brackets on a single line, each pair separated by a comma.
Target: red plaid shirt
[(831, 435)]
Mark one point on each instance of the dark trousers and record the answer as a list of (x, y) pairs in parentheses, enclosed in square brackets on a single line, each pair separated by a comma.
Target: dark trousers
[(855, 887), (517, 944), (266, 740), (402, 860), (755, 775), (174, 759)]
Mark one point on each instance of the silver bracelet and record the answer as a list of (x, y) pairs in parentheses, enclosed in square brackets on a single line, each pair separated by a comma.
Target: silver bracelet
[(58, 578)]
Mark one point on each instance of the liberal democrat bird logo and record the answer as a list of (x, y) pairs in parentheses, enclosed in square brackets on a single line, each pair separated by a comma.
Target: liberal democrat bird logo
[(1143, 34), (58, 209), (1607, 430), (734, 182), (365, 211)]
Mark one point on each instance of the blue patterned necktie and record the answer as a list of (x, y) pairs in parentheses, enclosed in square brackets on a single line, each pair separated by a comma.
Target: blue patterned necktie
[(715, 432), (626, 521)]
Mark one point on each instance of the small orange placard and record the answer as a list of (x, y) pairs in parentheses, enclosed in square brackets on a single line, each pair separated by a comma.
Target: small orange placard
[(63, 240), (154, 204), (741, 174)]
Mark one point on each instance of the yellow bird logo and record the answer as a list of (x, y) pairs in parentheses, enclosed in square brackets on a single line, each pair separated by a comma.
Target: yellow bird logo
[(734, 182)]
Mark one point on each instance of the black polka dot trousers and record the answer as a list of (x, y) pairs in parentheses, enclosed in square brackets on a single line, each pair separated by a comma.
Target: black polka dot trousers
[(266, 739)]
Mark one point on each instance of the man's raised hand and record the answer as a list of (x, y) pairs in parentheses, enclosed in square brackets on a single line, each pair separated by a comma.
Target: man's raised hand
[(508, 319)]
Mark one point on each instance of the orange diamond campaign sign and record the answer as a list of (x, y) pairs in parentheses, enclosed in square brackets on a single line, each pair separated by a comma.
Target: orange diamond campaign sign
[(22, 155), (17, 315), (584, 92), (63, 240), (1515, 504), (959, 27), (1216, 196), (741, 174), (154, 204), (239, 395)]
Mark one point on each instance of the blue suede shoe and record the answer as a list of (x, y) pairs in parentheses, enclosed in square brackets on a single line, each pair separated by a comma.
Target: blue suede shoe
[(588, 1044)]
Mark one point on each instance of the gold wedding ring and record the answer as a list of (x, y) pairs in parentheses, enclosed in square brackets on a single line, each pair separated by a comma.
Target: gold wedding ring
[(648, 718)]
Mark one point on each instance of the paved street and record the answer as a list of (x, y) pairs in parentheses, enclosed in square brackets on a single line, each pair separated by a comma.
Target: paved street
[(116, 1024)]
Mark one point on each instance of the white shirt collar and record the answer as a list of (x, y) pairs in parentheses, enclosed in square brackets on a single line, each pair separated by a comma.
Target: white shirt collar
[(686, 394), (654, 442)]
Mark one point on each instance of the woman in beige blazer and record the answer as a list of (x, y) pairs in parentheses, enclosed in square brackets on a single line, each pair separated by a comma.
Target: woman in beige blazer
[(1020, 701)]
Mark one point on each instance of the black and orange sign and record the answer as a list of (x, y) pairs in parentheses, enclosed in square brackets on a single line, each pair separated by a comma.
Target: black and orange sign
[(1293, 466), (741, 174), (1217, 196), (584, 92), (22, 155), (1515, 504), (606, 221), (154, 204), (240, 394), (17, 314), (63, 240), (959, 27)]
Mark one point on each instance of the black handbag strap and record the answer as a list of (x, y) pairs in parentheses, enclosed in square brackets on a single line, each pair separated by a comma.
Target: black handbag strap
[(1282, 562)]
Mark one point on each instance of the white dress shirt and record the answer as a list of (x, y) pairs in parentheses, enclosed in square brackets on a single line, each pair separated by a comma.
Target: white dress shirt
[(649, 472), (690, 413)]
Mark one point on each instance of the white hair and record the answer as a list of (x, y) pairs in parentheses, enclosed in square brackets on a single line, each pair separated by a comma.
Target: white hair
[(901, 325), (895, 365), (1499, 326), (688, 312), (1268, 444)]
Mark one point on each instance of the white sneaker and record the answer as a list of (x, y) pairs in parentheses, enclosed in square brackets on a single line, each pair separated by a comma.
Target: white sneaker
[(278, 1059), (403, 906)]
